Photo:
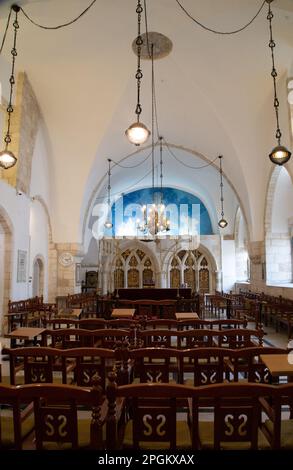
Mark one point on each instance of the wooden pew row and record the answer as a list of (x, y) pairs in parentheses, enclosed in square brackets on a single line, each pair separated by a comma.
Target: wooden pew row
[(236, 424), (198, 366)]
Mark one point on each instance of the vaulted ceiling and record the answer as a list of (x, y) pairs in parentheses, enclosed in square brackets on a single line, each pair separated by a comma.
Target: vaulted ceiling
[(214, 92)]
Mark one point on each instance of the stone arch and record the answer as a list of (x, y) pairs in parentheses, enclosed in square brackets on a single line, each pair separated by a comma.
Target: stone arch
[(278, 227), (6, 234), (85, 216)]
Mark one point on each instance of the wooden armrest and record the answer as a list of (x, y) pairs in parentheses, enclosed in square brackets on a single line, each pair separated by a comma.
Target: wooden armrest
[(266, 407)]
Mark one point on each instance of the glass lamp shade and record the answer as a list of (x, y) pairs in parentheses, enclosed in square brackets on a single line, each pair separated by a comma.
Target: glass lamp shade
[(280, 155), (137, 133), (222, 223), (7, 159)]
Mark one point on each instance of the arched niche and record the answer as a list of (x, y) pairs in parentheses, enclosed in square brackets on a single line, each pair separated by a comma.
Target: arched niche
[(241, 247), (279, 227)]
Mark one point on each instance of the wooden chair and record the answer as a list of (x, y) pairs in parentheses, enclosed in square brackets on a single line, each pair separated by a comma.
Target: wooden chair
[(200, 338), (88, 363), (204, 365), (157, 338), (245, 363), (236, 416), (56, 411), (279, 431), (155, 365), (91, 323), (15, 425), (38, 364), (240, 338), (160, 323), (152, 420)]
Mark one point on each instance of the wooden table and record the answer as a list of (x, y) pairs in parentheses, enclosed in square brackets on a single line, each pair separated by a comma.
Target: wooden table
[(278, 364), (186, 316), (24, 333), (123, 312)]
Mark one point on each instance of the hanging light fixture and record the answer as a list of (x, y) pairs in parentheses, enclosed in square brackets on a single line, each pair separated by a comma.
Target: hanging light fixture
[(154, 218), (138, 133), (222, 222), (280, 154), (7, 158), (108, 223)]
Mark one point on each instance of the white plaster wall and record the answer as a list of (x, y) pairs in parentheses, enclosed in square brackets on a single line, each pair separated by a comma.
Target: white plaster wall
[(228, 264), (38, 228), (282, 203), (41, 181)]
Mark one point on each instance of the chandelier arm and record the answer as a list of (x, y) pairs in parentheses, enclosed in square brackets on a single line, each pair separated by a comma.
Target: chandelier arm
[(185, 164), (221, 32), (60, 25), (127, 188), (5, 32)]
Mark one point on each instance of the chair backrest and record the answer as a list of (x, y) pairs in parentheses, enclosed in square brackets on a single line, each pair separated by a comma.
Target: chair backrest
[(240, 338), (153, 409), (247, 361), (91, 323), (205, 365), (236, 411), (56, 412), (88, 363), (157, 338), (160, 323), (154, 365), (37, 363)]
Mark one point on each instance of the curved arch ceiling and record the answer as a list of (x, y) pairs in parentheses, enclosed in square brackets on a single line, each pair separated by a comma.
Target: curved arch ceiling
[(214, 93)]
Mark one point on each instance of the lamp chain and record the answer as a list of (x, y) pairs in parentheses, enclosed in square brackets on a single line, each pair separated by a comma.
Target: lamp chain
[(161, 167), (139, 43), (274, 74), (109, 183), (221, 186), (7, 138), (153, 120)]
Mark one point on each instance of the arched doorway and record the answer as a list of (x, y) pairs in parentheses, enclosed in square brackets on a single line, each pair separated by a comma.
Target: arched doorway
[(38, 277), (6, 232)]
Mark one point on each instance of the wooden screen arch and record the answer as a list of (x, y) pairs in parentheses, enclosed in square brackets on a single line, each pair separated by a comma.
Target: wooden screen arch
[(133, 269), (190, 268)]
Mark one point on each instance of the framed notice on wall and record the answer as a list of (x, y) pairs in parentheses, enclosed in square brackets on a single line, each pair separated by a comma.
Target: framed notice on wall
[(21, 265)]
